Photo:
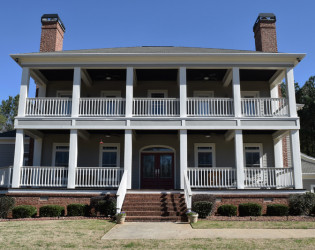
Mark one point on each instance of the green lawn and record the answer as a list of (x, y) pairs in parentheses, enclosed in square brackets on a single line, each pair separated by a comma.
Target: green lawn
[(84, 234)]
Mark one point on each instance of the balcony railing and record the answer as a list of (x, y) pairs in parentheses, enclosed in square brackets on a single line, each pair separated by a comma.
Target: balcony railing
[(155, 107), (268, 177), (102, 107), (264, 107), (199, 106), (98, 177), (212, 177), (43, 106), (5, 177), (44, 177)]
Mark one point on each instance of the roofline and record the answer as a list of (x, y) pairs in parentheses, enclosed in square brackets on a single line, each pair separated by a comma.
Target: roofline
[(307, 158)]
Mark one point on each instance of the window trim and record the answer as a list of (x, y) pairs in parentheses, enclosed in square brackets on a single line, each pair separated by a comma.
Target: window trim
[(312, 188), (255, 94), (153, 91), (116, 93), (212, 145), (210, 94), (55, 145), (260, 145), (64, 92), (101, 153)]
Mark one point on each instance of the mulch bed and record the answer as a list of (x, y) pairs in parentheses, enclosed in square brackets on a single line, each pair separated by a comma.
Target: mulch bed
[(261, 218), (58, 218)]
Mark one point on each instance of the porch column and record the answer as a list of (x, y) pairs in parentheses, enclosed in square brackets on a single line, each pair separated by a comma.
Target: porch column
[(278, 152), (237, 92), (239, 158), (296, 158), (73, 158), (289, 79), (128, 156), (76, 91), (18, 158), (129, 92), (37, 156), (25, 82), (182, 91), (183, 155)]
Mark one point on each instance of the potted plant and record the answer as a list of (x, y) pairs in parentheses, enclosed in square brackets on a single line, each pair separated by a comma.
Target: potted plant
[(192, 216), (120, 217)]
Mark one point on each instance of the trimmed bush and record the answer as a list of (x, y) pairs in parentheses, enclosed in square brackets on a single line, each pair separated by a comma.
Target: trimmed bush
[(203, 208), (106, 206), (51, 211), (301, 204), (203, 197), (6, 204), (249, 209), (277, 210), (77, 210), (24, 211), (227, 210), (313, 211)]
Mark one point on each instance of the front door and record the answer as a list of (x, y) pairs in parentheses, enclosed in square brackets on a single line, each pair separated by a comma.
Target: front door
[(157, 170)]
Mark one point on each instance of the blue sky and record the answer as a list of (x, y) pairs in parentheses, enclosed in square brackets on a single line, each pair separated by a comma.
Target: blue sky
[(197, 23)]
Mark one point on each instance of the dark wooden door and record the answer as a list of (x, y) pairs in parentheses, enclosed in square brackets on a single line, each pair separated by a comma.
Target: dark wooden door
[(157, 170)]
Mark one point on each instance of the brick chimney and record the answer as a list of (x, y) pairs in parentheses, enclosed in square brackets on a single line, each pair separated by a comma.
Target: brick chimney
[(52, 33), (265, 33)]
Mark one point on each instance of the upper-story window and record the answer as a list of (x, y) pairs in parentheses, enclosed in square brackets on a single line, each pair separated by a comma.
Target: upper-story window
[(111, 94), (250, 94), (60, 154), (157, 93), (205, 155), (205, 94), (253, 155), (110, 155), (64, 93)]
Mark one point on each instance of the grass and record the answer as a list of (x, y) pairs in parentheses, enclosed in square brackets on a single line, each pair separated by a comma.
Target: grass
[(203, 224), (86, 234)]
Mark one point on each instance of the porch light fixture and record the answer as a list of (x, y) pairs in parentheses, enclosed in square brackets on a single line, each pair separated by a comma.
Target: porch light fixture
[(206, 78), (107, 136), (208, 136), (108, 78)]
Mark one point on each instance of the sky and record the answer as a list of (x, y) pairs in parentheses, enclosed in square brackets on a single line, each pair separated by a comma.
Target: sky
[(92, 24)]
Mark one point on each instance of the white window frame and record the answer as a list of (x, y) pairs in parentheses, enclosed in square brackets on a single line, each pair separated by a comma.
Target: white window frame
[(253, 94), (115, 93), (154, 91), (312, 188), (64, 92), (109, 145), (55, 145), (205, 94), (212, 145), (260, 146)]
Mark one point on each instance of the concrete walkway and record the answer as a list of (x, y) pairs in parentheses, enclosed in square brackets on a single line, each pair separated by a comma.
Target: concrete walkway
[(168, 230)]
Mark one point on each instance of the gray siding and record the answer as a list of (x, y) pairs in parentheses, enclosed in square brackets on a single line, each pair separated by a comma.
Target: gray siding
[(307, 184), (7, 153)]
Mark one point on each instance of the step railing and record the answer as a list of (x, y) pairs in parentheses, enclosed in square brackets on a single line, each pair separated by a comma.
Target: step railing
[(205, 107), (187, 191), (212, 177), (44, 176), (264, 107), (46, 106), (98, 177), (5, 177), (102, 107), (155, 107), (121, 192), (268, 177)]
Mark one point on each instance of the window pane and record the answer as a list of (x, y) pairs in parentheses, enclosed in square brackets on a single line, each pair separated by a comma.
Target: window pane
[(251, 148), (252, 159), (62, 159), (166, 166), (148, 166), (109, 148), (204, 148), (157, 149), (109, 159), (62, 147), (204, 159)]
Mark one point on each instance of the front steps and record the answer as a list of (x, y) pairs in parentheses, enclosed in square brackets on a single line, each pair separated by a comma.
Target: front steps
[(155, 207)]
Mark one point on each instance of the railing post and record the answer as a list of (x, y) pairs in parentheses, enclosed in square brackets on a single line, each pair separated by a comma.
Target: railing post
[(129, 92), (76, 91), (25, 82), (237, 92), (183, 156), (73, 158), (296, 158), (182, 92), (239, 158), (18, 158)]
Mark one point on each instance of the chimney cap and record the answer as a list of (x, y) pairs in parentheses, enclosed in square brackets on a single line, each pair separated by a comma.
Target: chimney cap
[(266, 18), (52, 18)]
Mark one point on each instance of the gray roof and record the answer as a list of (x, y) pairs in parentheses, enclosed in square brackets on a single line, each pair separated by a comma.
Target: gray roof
[(308, 164)]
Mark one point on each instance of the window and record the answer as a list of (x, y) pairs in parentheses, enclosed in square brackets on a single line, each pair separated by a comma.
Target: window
[(204, 155), (109, 155), (111, 94), (64, 93), (61, 155), (313, 188), (253, 155)]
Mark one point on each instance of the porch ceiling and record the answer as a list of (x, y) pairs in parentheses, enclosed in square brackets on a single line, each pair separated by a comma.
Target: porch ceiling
[(205, 74), (256, 74), (57, 74)]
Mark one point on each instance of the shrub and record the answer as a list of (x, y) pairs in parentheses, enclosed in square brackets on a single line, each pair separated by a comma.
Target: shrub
[(203, 208), (51, 211), (77, 209), (227, 210), (203, 197), (277, 210), (24, 211), (6, 204), (249, 209), (301, 204), (313, 211), (106, 205)]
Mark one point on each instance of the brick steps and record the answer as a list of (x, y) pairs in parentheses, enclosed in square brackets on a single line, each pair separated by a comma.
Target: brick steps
[(155, 207)]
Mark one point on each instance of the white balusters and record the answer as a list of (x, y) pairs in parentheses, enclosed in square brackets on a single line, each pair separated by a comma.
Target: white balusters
[(264, 107), (43, 106), (102, 107), (156, 107), (199, 106)]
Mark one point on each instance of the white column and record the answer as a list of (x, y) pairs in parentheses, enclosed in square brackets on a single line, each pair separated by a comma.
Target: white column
[(296, 158), (128, 156), (18, 158), (237, 92), (239, 158), (183, 91), (289, 79), (183, 155), (25, 82), (274, 93), (76, 91), (129, 92), (73, 158), (37, 156), (277, 145)]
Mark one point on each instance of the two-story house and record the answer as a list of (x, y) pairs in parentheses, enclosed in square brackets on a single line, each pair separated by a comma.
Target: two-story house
[(158, 119)]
